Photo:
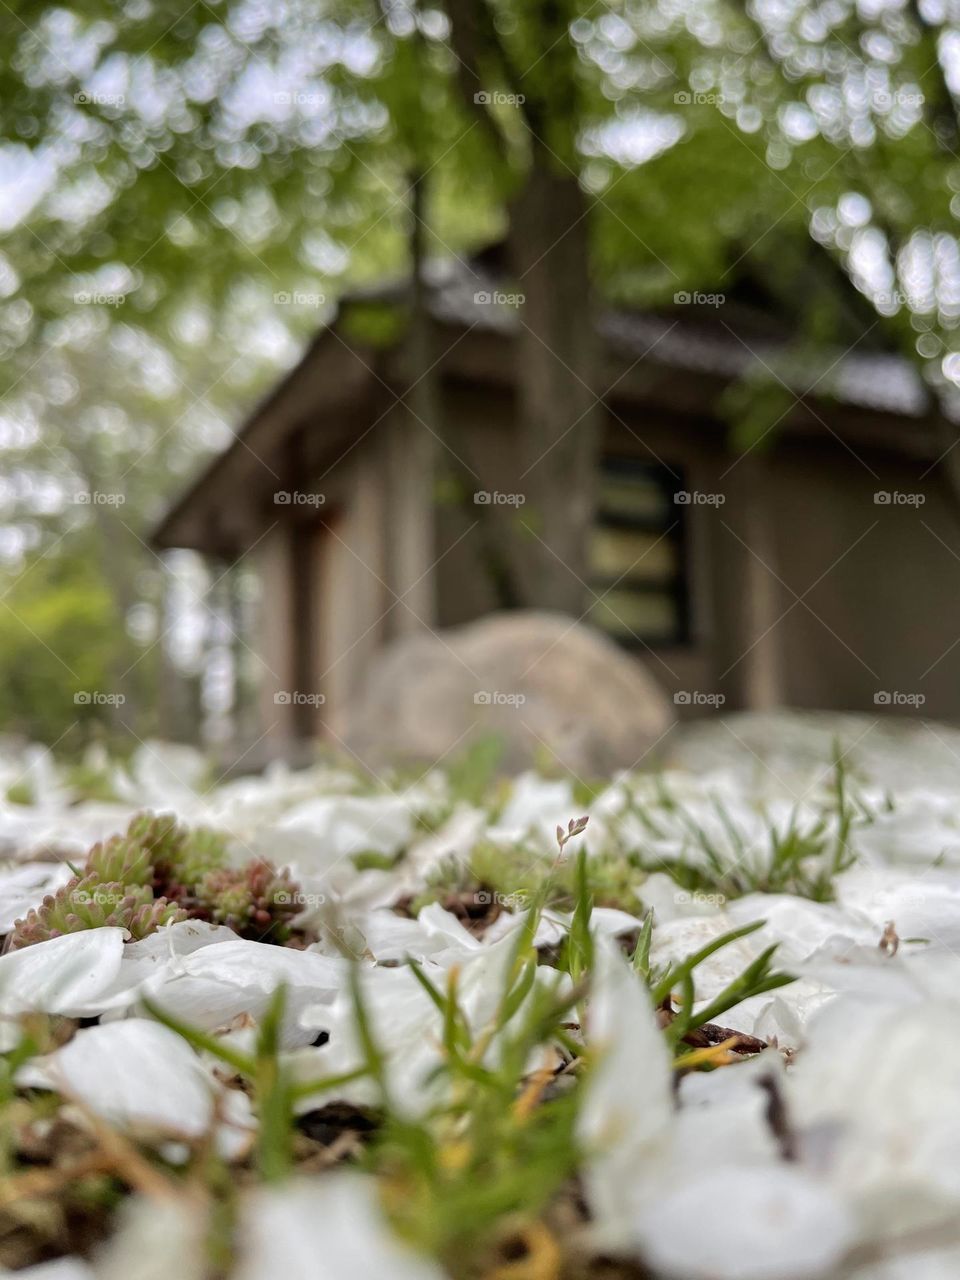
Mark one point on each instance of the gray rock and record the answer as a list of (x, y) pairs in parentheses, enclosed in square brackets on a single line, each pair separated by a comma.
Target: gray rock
[(541, 682)]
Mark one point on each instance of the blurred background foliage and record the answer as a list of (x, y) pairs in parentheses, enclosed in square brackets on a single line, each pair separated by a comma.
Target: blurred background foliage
[(170, 172)]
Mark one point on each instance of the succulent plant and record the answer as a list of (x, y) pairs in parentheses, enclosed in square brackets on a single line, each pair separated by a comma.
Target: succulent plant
[(87, 902), (181, 865), (256, 900), (128, 858), (160, 871), (157, 850)]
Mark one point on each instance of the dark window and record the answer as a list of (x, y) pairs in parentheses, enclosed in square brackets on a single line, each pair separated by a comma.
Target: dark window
[(636, 555)]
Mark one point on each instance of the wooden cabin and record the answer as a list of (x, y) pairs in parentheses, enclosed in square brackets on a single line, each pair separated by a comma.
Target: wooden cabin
[(819, 567)]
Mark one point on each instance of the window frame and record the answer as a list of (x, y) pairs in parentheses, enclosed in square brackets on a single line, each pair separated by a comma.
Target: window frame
[(669, 481)]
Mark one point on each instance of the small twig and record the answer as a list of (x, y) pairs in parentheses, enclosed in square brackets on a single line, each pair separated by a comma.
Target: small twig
[(777, 1118), (533, 1089), (42, 1182), (710, 1033), (889, 942), (126, 1160), (714, 1055)]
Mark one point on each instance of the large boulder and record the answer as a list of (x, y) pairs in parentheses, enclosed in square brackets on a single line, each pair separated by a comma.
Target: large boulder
[(541, 682)]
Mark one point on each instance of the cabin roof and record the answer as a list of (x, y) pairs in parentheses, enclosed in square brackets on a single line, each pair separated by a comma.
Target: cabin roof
[(748, 334)]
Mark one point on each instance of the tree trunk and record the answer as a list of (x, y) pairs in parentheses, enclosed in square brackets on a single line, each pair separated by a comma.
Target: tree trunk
[(415, 543), (558, 415)]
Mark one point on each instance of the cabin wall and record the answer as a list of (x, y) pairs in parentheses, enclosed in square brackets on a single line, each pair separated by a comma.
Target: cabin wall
[(274, 644), (470, 533), (400, 542), (879, 582), (879, 623), (324, 600), (350, 593)]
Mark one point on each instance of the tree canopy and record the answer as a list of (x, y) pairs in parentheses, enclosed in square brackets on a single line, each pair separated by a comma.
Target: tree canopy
[(186, 193)]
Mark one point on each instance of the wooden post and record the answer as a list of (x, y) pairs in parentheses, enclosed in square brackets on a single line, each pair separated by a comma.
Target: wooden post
[(750, 602)]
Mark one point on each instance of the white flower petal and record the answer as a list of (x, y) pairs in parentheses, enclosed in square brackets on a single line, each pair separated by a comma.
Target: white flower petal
[(25, 886), (876, 1093), (626, 1118), (156, 1239), (214, 984), (320, 833), (60, 1269), (64, 975), (772, 1223), (536, 806), (135, 1073), (331, 1227)]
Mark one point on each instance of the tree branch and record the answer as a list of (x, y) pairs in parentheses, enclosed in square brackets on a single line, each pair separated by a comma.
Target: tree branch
[(479, 50)]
